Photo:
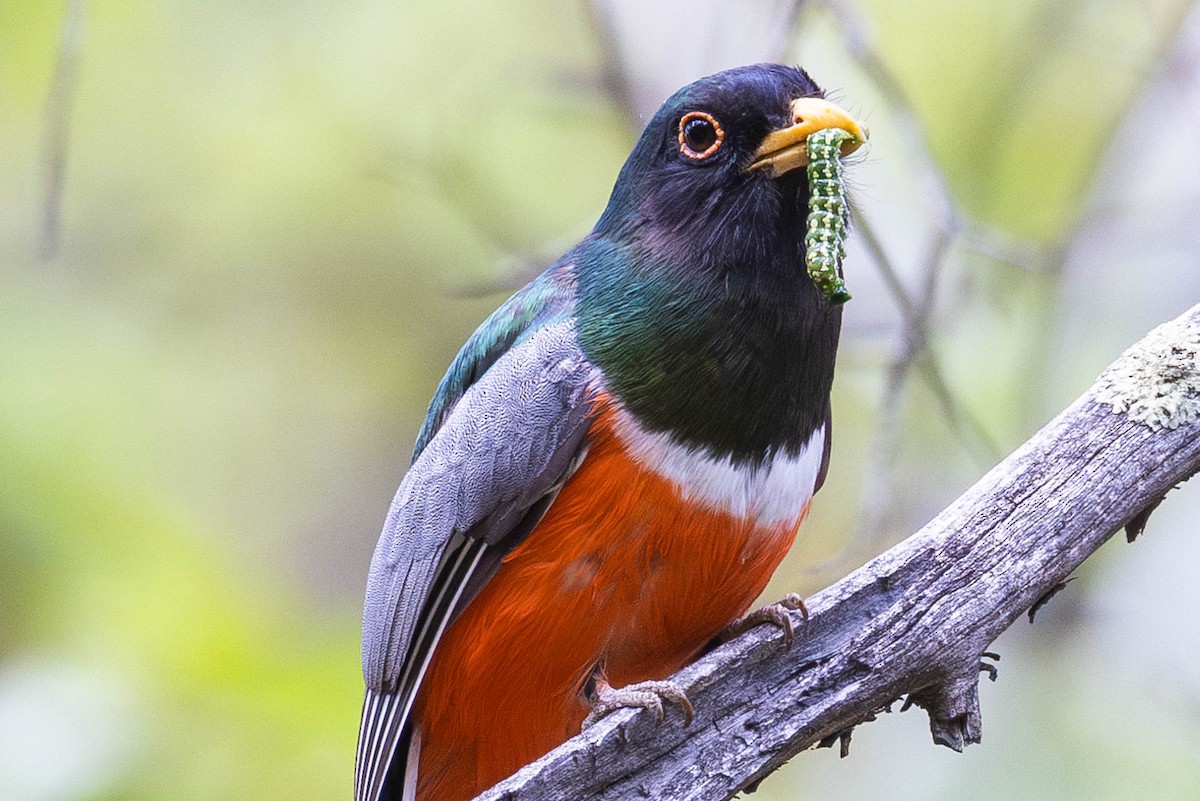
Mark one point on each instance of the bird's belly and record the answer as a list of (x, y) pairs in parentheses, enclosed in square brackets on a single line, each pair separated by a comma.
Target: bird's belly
[(632, 571)]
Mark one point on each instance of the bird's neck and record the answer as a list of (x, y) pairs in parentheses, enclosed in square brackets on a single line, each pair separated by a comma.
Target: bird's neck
[(732, 358)]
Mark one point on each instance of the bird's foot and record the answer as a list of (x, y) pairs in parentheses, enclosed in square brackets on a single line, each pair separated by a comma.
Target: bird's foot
[(643, 695), (777, 614)]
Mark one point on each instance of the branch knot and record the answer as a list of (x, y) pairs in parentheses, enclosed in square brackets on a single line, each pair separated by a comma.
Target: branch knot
[(953, 707)]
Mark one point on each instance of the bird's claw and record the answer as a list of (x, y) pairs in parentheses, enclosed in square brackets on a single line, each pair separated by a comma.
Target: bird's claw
[(643, 695), (776, 614)]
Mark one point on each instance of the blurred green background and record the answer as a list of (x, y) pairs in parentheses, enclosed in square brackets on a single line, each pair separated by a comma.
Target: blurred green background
[(277, 222)]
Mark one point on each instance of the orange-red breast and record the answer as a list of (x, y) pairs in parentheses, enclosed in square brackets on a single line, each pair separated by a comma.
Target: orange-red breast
[(617, 459)]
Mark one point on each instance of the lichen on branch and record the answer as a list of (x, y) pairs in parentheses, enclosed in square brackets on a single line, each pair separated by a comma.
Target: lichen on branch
[(1157, 381)]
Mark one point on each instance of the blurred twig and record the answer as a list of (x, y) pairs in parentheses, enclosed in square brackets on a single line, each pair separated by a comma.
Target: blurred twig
[(916, 338), (932, 186), (59, 101), (1059, 252), (613, 76), (915, 351), (785, 33)]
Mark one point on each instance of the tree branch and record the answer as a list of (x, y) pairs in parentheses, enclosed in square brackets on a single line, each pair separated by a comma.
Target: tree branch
[(917, 619)]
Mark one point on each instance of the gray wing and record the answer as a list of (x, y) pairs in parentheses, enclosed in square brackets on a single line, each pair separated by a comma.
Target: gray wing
[(478, 487)]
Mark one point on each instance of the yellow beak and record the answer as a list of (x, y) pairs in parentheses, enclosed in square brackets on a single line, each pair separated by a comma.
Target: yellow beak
[(784, 150)]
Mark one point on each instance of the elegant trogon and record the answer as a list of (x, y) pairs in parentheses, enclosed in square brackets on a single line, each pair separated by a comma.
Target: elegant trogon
[(616, 460)]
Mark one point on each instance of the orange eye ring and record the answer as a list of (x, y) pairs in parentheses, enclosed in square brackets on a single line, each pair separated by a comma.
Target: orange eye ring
[(700, 135)]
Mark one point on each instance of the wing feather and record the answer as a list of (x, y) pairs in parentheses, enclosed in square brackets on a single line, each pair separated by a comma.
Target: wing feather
[(547, 298), (475, 490)]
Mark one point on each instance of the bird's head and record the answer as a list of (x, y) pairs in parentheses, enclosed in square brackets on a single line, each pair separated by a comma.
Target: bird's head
[(715, 179), (694, 297)]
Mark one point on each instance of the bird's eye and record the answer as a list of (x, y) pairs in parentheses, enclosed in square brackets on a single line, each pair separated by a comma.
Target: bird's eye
[(700, 135)]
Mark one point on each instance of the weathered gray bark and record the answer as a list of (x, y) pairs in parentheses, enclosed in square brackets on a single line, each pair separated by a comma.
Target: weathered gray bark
[(917, 619)]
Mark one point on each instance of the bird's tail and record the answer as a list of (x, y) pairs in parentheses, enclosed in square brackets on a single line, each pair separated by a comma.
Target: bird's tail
[(382, 734)]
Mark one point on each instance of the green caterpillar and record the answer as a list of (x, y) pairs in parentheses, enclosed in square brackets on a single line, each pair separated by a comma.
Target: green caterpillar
[(825, 241)]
